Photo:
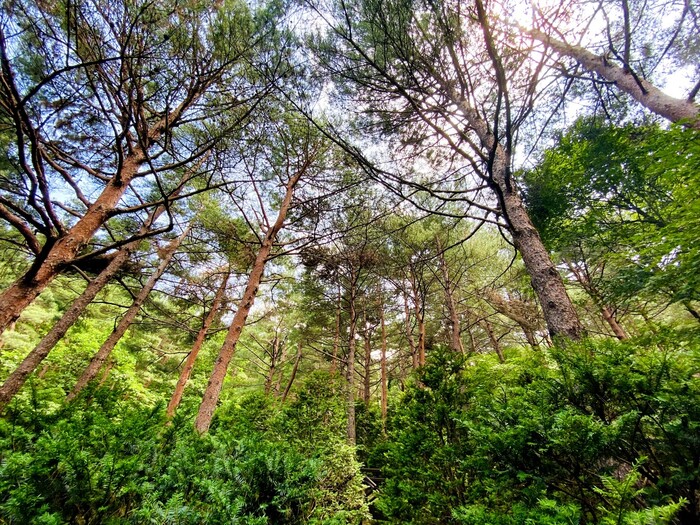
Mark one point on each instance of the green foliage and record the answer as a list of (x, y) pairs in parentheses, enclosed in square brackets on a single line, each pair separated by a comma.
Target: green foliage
[(105, 460), (596, 432), (623, 198)]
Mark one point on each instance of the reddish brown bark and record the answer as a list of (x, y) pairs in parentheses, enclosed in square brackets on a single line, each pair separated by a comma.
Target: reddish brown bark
[(99, 359), (216, 381), (56, 256), (16, 380), (196, 347)]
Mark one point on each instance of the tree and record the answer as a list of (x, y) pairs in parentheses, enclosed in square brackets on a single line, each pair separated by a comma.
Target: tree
[(614, 203), (298, 153), (106, 101), (436, 73), (638, 41), (101, 356)]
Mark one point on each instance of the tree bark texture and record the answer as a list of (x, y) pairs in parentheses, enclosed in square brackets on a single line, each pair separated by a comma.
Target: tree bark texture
[(216, 381), (105, 350), (559, 312), (196, 347)]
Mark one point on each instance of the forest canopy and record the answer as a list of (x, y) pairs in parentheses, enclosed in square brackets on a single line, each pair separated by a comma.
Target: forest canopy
[(349, 262)]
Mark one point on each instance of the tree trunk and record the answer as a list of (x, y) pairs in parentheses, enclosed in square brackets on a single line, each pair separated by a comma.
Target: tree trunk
[(384, 379), (293, 376), (16, 380), (651, 97), (494, 341), (448, 287), (278, 383), (418, 307), (609, 317), (367, 336), (409, 331), (105, 350), (350, 368), (196, 347), (559, 313), (583, 278), (336, 337), (274, 356), (24, 290), (216, 381)]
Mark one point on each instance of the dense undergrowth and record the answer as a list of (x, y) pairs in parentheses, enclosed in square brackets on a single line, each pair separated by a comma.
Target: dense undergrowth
[(599, 432)]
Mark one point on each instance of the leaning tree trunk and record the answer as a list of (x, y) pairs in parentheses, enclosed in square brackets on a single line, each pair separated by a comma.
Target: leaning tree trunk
[(559, 313), (24, 290), (293, 375), (216, 381), (644, 92), (196, 347), (16, 380), (606, 311), (105, 350), (495, 343)]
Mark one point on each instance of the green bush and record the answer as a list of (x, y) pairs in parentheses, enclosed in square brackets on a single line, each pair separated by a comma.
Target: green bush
[(545, 438), (104, 460)]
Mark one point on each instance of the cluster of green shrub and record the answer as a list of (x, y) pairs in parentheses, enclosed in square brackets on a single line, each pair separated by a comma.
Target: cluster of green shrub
[(105, 459), (596, 432)]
